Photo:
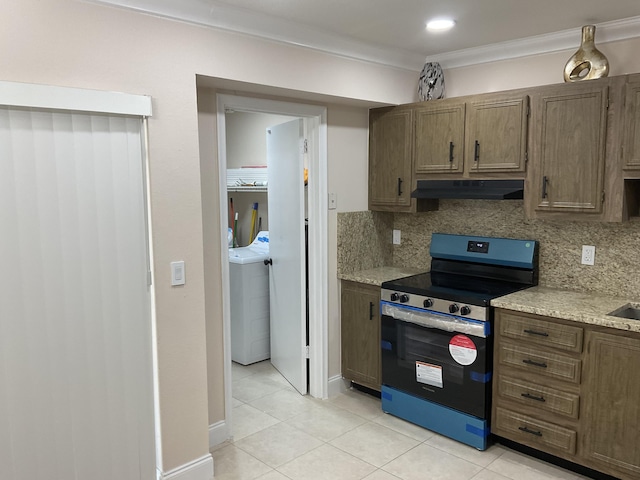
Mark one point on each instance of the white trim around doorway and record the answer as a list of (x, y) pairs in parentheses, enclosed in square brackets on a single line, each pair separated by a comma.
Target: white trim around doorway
[(316, 117)]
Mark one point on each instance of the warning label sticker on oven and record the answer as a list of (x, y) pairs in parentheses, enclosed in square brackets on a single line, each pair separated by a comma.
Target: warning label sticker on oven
[(429, 374), (463, 350)]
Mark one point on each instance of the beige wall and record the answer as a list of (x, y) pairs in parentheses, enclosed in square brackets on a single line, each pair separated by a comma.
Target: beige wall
[(246, 138), (71, 43), (535, 70)]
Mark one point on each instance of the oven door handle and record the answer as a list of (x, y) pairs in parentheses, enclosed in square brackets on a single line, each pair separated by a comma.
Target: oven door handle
[(426, 318)]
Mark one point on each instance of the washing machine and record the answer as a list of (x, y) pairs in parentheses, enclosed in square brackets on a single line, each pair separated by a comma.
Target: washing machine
[(249, 285)]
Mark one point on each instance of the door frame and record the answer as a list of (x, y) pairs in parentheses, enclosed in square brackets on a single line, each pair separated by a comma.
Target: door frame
[(316, 130)]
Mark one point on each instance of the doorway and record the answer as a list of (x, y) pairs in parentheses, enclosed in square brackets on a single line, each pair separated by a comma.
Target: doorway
[(316, 134)]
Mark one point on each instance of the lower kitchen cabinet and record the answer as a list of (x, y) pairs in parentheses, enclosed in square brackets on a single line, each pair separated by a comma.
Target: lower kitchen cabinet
[(612, 407), (568, 389), (360, 329)]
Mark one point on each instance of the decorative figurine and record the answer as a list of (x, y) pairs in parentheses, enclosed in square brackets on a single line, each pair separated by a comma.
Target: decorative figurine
[(588, 62), (431, 83)]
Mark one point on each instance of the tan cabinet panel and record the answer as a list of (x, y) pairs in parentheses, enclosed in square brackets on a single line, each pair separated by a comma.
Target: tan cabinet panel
[(570, 125), (540, 397), (360, 330), (390, 154), (612, 410), (439, 138), (541, 332), (497, 135), (540, 363), (632, 125), (533, 432)]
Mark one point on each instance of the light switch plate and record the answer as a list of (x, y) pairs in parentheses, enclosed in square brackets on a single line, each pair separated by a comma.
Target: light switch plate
[(177, 273), (333, 201), (396, 237)]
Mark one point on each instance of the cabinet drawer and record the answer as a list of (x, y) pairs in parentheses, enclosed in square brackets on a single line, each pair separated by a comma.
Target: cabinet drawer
[(530, 431), (541, 363), (543, 398), (541, 332)]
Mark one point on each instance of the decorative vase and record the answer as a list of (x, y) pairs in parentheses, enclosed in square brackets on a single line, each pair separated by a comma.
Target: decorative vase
[(431, 83), (588, 62)]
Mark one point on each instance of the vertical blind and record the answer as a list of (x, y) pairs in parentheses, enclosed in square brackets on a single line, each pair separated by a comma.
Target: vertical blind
[(76, 392)]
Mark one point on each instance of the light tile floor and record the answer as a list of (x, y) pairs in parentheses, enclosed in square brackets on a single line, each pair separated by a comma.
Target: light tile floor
[(281, 435)]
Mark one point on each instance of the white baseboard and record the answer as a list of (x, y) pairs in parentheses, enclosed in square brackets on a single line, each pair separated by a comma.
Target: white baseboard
[(218, 433), (337, 385), (199, 469)]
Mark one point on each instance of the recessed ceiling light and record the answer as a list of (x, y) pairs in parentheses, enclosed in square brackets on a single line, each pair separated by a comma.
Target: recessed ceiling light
[(440, 25)]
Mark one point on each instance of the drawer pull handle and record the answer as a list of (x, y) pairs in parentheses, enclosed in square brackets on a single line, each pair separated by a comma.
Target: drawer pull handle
[(534, 363), (450, 152), (399, 187), (537, 433), (533, 332), (533, 397)]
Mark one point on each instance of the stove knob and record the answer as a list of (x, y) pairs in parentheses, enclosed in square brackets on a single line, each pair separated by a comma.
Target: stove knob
[(465, 310), (427, 303), (394, 297), (404, 298), (453, 308)]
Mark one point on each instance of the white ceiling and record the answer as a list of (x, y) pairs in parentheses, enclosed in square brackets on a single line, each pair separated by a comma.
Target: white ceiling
[(393, 31)]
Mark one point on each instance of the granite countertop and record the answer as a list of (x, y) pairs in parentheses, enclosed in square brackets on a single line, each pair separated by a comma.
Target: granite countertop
[(376, 276), (584, 307)]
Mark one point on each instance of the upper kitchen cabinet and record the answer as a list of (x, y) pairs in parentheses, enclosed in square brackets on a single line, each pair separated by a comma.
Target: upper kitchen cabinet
[(439, 140), (632, 127), (475, 136), (496, 132), (569, 128), (390, 168)]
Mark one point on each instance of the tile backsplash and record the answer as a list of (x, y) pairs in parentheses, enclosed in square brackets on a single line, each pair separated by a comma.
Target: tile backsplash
[(617, 261)]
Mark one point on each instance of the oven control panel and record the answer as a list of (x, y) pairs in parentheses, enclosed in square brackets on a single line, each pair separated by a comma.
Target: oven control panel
[(437, 305)]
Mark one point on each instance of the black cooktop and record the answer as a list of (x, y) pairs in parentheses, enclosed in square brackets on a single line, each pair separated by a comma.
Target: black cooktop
[(471, 290)]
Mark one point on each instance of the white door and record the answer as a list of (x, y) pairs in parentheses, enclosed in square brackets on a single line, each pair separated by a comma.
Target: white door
[(286, 249)]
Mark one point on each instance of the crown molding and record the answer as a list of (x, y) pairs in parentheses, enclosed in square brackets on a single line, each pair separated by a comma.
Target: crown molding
[(553, 42), (221, 16)]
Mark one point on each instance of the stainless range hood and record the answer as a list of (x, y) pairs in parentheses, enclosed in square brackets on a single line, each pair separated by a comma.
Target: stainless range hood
[(479, 189)]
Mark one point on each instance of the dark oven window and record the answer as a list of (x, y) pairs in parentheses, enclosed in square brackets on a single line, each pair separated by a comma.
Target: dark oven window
[(420, 361)]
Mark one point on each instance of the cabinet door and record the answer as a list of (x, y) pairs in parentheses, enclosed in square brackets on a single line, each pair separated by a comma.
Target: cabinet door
[(570, 123), (497, 135), (360, 327), (439, 138), (632, 125), (612, 413), (390, 172)]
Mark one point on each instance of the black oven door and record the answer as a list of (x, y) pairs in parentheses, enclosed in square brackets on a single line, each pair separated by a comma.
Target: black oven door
[(446, 367)]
